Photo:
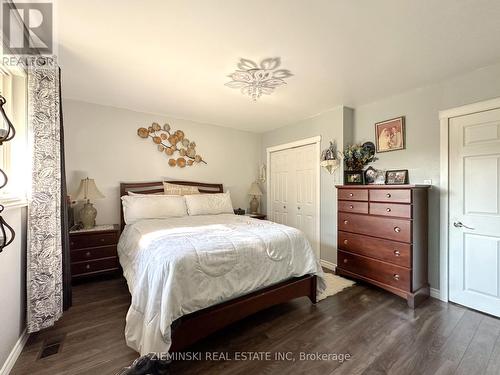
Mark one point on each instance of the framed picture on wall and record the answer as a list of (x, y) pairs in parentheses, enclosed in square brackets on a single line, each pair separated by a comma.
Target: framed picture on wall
[(390, 134)]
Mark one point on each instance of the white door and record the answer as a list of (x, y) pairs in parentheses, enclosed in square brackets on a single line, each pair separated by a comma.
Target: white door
[(293, 190), (280, 185), (474, 232), (304, 192)]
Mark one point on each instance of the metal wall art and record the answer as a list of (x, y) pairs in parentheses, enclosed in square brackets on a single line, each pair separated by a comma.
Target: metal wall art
[(256, 79), (6, 134), (172, 143)]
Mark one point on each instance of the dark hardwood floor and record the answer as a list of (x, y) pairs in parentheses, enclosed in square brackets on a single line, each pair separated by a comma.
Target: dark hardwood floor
[(375, 328)]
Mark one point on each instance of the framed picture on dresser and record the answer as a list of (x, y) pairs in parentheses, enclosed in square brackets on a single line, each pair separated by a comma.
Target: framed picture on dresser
[(397, 177)]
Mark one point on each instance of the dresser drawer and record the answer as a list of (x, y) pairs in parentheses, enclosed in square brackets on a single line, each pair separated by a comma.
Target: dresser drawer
[(82, 268), (82, 241), (353, 194), (383, 227), (385, 273), (389, 251), (93, 253), (390, 195), (391, 209), (352, 206)]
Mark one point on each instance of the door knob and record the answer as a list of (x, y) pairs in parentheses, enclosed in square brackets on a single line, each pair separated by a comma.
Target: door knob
[(298, 208), (458, 224)]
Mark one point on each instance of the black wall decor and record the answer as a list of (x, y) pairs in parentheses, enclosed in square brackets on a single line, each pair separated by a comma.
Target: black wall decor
[(6, 134)]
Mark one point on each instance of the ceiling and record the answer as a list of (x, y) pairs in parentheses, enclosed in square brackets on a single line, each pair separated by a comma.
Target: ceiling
[(173, 57)]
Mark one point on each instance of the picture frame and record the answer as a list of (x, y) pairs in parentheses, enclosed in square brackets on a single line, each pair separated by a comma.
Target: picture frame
[(370, 174), (390, 135), (374, 176), (354, 178), (397, 177)]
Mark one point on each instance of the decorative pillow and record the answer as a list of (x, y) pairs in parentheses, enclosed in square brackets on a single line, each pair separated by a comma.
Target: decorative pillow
[(209, 204), (173, 189), (137, 207)]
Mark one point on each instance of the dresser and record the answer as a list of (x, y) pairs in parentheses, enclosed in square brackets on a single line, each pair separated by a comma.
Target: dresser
[(93, 252), (382, 237)]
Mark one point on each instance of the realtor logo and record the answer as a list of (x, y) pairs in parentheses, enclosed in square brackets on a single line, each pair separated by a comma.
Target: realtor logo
[(27, 28)]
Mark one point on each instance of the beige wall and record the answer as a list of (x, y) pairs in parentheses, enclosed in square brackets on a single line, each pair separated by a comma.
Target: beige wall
[(13, 284), (102, 143), (335, 124), (421, 156)]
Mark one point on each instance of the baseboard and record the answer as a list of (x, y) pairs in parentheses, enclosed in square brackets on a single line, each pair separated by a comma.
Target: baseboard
[(14, 354), (435, 293), (331, 266)]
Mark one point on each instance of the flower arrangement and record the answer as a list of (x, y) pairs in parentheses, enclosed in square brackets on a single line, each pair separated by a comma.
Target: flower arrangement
[(358, 155)]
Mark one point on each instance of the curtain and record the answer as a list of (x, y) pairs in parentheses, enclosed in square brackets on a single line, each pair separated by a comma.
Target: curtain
[(45, 252)]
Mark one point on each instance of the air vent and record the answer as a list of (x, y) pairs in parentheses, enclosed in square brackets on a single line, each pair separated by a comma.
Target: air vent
[(51, 346)]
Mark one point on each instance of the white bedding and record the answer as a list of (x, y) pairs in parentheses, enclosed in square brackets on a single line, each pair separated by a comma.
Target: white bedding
[(176, 266)]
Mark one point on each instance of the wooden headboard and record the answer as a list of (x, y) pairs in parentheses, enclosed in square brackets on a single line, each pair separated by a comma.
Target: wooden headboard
[(157, 188)]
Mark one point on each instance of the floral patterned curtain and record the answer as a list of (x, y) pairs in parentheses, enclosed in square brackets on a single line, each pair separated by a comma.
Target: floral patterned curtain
[(44, 253)]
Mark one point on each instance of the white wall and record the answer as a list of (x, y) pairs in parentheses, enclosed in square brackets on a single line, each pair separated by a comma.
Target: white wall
[(335, 124), (102, 143), (421, 157), (13, 285)]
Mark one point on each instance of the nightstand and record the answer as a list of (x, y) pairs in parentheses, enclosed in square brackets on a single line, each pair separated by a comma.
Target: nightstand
[(257, 216), (93, 251)]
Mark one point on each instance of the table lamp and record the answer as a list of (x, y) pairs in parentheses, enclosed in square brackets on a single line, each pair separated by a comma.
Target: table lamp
[(87, 191), (254, 203)]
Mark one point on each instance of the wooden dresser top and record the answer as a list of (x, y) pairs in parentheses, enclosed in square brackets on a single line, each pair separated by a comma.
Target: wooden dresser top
[(383, 186)]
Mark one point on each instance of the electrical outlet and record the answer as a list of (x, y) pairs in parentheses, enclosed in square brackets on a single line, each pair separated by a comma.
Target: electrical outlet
[(427, 182)]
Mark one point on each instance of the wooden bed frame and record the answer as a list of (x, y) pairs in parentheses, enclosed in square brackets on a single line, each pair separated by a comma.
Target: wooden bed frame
[(192, 327)]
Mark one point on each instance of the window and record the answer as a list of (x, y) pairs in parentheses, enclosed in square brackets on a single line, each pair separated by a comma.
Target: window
[(14, 159)]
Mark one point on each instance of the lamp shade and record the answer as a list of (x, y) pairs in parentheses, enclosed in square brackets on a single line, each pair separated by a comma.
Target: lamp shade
[(88, 190), (255, 190)]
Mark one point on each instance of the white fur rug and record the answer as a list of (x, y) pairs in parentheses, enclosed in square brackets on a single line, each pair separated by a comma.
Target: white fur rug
[(334, 284)]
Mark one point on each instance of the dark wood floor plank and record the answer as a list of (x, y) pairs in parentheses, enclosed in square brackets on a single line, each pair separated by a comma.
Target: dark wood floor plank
[(376, 328), (477, 356)]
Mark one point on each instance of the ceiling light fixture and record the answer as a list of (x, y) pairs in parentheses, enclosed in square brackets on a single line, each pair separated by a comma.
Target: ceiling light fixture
[(256, 79)]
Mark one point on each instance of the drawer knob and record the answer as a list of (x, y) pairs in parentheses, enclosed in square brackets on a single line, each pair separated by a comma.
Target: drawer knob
[(388, 209), (345, 260), (346, 242), (72, 243), (87, 266), (396, 277), (351, 206), (351, 194), (102, 239), (346, 222), (87, 254), (397, 253), (397, 229), (388, 195)]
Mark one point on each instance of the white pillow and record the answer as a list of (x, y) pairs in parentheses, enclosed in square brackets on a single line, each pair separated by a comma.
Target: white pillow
[(138, 207), (209, 204)]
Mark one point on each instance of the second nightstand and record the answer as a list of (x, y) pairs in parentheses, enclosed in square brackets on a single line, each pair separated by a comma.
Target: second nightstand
[(93, 251)]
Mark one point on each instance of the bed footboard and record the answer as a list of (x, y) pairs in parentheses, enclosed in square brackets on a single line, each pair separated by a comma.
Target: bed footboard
[(195, 326)]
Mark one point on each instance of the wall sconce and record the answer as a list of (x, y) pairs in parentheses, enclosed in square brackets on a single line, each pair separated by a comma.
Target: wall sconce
[(262, 174), (330, 158)]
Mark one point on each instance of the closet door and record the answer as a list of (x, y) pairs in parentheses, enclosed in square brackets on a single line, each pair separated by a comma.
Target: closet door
[(281, 185), (304, 193), (293, 188)]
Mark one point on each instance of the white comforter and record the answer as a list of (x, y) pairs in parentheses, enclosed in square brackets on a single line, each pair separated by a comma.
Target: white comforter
[(180, 265)]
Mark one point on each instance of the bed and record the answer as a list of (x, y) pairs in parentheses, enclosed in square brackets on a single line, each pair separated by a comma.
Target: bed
[(191, 276)]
